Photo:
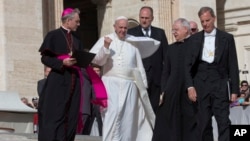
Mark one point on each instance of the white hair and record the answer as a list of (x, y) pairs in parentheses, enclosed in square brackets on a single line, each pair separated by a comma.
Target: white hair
[(121, 18)]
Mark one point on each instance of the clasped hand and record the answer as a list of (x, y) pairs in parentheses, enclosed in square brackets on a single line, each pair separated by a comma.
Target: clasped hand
[(192, 95), (69, 62)]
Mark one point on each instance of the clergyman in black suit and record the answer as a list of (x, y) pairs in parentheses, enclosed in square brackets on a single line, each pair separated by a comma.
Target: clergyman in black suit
[(212, 76), (154, 64)]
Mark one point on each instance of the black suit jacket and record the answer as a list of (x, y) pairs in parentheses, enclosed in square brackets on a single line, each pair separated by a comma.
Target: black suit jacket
[(225, 58), (40, 85), (154, 64)]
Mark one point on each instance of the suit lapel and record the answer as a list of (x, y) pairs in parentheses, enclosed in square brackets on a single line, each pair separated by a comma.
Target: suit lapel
[(139, 31), (200, 41), (153, 33), (219, 45), (195, 46)]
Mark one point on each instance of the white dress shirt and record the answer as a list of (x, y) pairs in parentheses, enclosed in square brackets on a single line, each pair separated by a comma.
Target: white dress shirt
[(208, 52), (149, 31)]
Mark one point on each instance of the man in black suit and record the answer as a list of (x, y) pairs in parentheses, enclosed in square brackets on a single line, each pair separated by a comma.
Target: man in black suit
[(41, 83), (153, 65), (212, 76)]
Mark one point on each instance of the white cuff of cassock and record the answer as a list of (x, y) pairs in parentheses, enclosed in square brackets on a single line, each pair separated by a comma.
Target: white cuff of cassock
[(190, 88), (106, 50)]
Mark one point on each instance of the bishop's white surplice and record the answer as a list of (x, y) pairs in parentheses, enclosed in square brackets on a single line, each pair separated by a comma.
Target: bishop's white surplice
[(129, 116)]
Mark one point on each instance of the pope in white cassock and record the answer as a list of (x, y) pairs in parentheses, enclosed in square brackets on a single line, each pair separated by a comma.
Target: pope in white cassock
[(129, 116)]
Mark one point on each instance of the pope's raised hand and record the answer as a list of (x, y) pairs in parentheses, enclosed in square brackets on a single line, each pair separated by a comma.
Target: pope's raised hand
[(107, 42)]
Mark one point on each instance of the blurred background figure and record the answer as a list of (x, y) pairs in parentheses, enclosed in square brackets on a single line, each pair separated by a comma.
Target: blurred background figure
[(92, 119), (35, 102), (194, 27), (35, 116), (40, 83), (242, 100), (244, 90), (96, 129), (26, 102), (97, 69), (153, 64), (244, 87)]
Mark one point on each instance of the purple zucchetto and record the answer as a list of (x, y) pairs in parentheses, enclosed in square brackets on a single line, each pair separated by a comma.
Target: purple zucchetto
[(67, 11)]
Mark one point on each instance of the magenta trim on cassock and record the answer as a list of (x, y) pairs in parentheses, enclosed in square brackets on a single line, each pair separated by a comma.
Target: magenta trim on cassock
[(99, 88), (67, 11)]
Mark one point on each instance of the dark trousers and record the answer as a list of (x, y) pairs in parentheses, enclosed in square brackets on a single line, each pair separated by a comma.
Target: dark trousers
[(154, 92), (58, 117), (89, 120), (212, 100)]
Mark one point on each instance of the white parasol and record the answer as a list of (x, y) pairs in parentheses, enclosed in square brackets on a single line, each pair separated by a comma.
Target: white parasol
[(147, 46)]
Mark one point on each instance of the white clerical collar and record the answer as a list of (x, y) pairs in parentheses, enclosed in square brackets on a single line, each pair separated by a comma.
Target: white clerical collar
[(183, 40), (187, 36), (68, 30), (213, 33)]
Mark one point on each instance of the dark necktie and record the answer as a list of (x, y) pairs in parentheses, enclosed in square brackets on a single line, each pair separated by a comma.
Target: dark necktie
[(146, 32)]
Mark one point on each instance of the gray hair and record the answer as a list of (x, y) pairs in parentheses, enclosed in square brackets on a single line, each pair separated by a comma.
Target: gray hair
[(184, 23), (70, 15)]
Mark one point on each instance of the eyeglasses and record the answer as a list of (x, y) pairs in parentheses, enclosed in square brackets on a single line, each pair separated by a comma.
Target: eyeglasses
[(193, 29), (244, 85)]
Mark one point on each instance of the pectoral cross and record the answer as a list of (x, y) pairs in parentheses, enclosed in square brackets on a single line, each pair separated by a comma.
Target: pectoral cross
[(211, 53)]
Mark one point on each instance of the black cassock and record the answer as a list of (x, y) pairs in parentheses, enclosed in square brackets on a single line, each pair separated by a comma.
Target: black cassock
[(169, 117), (59, 101)]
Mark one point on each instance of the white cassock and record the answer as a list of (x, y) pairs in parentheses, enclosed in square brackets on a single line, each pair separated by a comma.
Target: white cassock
[(129, 116)]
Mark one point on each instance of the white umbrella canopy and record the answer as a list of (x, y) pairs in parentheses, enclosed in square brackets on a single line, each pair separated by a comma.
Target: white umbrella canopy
[(147, 46)]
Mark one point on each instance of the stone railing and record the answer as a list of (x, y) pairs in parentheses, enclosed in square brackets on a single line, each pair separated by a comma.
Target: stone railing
[(15, 116)]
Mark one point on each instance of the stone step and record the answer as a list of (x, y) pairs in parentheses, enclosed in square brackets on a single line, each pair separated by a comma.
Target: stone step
[(33, 137)]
